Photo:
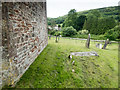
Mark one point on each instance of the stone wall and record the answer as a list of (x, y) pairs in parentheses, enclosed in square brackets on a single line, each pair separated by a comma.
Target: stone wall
[(0, 45), (24, 36)]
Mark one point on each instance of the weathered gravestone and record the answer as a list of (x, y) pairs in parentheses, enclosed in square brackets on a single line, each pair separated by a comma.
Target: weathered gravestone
[(88, 41), (92, 53), (49, 36), (106, 43), (99, 45), (58, 37)]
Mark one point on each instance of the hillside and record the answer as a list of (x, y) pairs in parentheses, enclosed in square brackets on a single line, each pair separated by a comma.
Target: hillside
[(105, 12)]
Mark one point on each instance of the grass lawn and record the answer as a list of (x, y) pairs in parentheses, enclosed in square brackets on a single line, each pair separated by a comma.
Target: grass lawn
[(53, 68)]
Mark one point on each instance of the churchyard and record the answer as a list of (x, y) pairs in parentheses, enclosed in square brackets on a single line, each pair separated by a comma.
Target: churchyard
[(53, 68)]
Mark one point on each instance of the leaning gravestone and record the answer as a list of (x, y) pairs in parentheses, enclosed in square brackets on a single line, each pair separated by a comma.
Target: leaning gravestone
[(106, 43), (88, 41)]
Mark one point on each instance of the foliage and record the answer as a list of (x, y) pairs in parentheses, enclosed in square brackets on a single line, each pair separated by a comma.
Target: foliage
[(98, 25), (97, 21), (80, 22), (57, 33), (53, 24), (68, 31), (114, 33), (83, 32), (59, 25), (74, 20), (58, 20), (102, 12), (52, 32), (71, 19)]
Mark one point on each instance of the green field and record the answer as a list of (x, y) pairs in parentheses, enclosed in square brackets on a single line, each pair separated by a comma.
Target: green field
[(53, 68)]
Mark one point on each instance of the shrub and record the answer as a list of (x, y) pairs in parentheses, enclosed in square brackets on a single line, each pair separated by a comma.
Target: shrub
[(114, 33), (69, 31), (52, 32), (57, 33), (83, 32)]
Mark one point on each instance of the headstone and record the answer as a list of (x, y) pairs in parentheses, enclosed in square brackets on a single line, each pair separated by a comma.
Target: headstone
[(49, 36), (106, 43), (99, 45), (88, 41), (58, 38)]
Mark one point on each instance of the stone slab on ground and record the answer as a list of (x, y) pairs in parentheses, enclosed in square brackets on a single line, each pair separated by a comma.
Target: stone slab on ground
[(92, 53)]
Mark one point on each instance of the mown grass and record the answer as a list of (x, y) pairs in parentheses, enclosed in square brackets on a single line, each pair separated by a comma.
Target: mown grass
[(53, 68)]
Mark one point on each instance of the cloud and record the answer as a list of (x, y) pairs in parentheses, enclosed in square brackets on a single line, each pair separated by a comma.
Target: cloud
[(56, 8)]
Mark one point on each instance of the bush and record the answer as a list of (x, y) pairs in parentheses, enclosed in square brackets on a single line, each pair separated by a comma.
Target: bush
[(114, 33), (57, 33), (83, 32), (69, 31), (52, 32)]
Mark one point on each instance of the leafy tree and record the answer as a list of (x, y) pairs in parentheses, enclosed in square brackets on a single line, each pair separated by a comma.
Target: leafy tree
[(98, 25), (80, 22), (105, 24), (113, 33), (71, 19), (96, 13)]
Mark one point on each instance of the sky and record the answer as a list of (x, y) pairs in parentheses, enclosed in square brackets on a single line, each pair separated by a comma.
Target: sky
[(56, 8)]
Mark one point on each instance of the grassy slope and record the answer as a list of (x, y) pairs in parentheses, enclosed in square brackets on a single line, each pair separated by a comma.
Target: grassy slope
[(53, 69), (105, 12)]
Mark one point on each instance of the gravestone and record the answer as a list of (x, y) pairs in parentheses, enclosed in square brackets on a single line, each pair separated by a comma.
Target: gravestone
[(58, 37), (92, 53), (88, 41), (106, 43), (99, 45), (49, 36)]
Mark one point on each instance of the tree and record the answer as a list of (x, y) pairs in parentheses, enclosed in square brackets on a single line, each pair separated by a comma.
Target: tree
[(96, 13), (80, 22), (71, 19), (98, 25)]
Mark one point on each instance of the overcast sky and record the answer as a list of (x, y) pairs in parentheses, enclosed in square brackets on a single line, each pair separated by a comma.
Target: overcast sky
[(56, 8)]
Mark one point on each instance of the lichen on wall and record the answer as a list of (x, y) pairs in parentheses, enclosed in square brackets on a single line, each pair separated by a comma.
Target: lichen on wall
[(24, 36)]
